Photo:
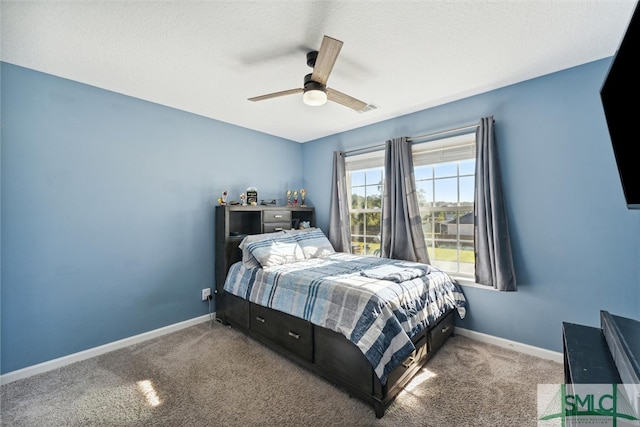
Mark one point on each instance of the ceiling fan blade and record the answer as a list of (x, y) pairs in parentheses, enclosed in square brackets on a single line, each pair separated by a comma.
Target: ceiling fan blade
[(327, 55), (346, 100), (276, 94)]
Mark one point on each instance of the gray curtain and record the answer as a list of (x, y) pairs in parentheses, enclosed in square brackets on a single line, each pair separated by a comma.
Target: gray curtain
[(402, 235), (494, 260), (339, 223)]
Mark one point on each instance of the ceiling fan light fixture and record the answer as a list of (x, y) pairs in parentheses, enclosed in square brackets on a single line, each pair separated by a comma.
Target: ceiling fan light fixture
[(314, 97), (315, 93)]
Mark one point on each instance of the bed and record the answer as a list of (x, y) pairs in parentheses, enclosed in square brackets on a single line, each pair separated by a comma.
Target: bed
[(365, 323)]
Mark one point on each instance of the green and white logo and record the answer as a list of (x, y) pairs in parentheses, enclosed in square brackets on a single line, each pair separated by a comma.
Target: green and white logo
[(578, 405)]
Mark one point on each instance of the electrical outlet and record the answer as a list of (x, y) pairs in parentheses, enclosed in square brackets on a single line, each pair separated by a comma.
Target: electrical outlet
[(206, 293)]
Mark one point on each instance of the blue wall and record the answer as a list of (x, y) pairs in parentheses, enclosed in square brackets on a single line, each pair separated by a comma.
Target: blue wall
[(107, 211), (576, 246), (107, 208)]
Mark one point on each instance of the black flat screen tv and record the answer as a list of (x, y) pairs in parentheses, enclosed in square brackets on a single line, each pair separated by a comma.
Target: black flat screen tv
[(620, 95)]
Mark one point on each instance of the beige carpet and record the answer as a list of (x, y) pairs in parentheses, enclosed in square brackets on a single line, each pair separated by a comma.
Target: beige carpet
[(212, 375)]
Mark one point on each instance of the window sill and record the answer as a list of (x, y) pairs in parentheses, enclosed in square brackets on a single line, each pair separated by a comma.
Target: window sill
[(464, 281)]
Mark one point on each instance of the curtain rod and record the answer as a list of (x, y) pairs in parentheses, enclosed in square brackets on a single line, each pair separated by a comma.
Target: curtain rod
[(416, 138)]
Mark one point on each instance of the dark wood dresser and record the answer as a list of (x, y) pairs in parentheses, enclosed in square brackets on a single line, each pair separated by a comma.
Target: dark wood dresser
[(609, 354)]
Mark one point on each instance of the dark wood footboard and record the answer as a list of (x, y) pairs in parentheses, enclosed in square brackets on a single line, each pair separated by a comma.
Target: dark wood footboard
[(331, 355)]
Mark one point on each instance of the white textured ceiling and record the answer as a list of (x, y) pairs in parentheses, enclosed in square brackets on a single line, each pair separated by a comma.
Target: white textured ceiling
[(208, 57)]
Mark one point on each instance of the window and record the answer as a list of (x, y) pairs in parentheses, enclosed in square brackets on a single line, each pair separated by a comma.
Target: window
[(365, 176), (445, 181)]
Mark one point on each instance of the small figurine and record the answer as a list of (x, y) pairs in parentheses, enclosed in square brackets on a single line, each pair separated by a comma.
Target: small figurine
[(295, 198), (243, 199), (303, 195), (222, 200), (288, 197)]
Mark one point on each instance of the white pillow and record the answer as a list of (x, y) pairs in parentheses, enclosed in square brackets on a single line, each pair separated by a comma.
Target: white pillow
[(278, 250), (248, 260), (313, 242)]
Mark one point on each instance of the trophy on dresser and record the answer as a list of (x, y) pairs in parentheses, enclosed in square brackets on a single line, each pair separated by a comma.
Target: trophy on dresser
[(252, 196)]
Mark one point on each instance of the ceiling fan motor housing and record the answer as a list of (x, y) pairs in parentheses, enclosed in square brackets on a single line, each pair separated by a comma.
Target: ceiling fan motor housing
[(313, 85)]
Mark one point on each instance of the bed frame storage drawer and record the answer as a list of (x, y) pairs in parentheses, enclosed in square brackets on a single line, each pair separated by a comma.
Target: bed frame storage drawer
[(441, 331), (411, 363), (291, 333)]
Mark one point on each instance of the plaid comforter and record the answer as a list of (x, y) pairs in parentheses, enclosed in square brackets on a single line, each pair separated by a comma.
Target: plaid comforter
[(344, 293)]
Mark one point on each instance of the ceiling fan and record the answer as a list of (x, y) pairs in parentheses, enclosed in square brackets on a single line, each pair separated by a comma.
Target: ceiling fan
[(315, 91)]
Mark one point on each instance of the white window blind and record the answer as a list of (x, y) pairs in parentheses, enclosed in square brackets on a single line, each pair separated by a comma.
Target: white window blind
[(445, 150), (370, 160)]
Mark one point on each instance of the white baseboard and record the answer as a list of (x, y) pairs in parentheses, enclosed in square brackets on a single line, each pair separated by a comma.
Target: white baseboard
[(96, 351), (512, 345)]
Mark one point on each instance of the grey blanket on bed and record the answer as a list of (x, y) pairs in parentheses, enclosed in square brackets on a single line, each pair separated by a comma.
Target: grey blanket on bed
[(395, 273), (335, 292)]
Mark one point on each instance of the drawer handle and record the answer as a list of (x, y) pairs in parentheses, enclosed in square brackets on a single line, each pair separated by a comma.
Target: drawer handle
[(445, 329), (277, 216), (410, 361), (294, 335), (260, 319), (278, 229)]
